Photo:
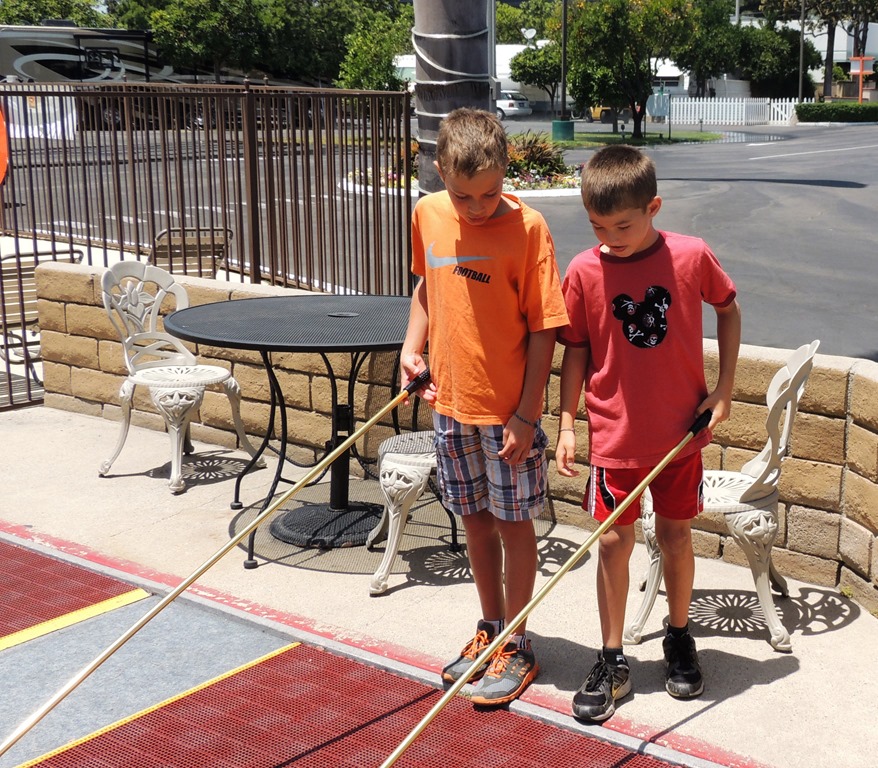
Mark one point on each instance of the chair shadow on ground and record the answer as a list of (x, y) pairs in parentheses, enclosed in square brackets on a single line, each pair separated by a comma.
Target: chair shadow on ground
[(424, 559), (737, 613), (202, 468)]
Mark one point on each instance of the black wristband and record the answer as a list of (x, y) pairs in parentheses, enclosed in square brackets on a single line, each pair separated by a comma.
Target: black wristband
[(529, 423)]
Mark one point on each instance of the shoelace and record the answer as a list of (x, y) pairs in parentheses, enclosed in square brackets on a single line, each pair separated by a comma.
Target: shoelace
[(475, 645), (500, 661), (599, 673)]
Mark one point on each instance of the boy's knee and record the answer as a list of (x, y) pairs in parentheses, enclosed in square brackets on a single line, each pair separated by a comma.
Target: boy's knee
[(674, 541), (617, 542)]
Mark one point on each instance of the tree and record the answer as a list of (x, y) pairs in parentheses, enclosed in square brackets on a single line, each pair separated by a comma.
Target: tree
[(371, 49), (540, 15), (614, 44), (214, 33), (83, 12), (711, 49), (770, 61), (540, 67)]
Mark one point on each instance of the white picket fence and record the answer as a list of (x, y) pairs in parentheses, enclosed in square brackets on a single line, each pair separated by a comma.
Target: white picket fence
[(731, 111)]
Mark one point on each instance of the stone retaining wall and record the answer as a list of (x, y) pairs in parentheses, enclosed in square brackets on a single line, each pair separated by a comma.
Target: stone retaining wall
[(828, 488)]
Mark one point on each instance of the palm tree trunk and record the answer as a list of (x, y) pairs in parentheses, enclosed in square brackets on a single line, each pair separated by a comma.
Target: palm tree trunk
[(451, 57)]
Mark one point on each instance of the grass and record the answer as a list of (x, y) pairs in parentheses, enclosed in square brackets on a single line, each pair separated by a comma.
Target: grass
[(587, 139)]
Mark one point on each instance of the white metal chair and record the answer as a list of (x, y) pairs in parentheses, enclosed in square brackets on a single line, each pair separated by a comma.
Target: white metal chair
[(406, 463), (133, 295), (748, 499)]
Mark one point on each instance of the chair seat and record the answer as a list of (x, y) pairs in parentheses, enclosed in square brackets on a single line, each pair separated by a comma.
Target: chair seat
[(181, 376), (414, 448), (722, 489)]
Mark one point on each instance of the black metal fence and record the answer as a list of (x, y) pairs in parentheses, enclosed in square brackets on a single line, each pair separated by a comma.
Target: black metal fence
[(307, 188)]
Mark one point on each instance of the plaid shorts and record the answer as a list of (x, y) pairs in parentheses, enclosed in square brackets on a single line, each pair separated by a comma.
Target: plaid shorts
[(677, 491), (472, 477)]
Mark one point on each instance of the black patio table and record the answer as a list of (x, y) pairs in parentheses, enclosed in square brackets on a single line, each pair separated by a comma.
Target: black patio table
[(322, 324)]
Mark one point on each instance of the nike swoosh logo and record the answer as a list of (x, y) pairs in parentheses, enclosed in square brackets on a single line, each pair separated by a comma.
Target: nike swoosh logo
[(436, 262)]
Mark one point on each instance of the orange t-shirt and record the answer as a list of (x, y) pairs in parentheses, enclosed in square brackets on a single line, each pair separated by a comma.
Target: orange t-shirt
[(488, 287)]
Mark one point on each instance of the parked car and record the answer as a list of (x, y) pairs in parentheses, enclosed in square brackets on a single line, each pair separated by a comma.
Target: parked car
[(512, 104), (604, 113)]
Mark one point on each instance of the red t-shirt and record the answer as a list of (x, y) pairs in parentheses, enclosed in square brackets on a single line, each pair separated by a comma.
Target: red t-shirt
[(641, 318), (488, 288)]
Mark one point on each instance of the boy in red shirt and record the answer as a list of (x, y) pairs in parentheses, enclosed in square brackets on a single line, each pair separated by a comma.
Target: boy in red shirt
[(489, 300), (635, 343)]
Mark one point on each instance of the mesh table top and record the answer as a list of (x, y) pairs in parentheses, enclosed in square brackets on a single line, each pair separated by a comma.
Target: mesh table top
[(319, 323)]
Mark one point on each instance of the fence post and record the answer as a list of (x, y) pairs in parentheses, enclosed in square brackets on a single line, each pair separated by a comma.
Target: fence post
[(251, 183)]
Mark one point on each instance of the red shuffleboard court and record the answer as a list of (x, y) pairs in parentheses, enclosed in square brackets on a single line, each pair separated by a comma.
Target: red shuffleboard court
[(304, 707), (39, 594)]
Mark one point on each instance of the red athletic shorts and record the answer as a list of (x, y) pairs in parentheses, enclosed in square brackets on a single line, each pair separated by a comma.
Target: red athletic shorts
[(677, 491)]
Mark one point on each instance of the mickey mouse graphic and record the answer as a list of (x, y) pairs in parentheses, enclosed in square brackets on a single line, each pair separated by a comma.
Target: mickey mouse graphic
[(645, 324)]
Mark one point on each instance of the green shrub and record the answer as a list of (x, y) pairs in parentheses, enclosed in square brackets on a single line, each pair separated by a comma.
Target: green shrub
[(535, 153), (837, 112)]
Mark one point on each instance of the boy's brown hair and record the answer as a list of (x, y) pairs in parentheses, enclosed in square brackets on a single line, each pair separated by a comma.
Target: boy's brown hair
[(618, 177), (471, 141)]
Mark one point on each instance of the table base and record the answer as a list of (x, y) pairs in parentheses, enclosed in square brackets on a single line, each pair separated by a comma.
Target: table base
[(318, 526)]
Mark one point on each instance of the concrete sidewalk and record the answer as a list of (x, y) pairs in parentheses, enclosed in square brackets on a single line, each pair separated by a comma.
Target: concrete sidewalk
[(814, 706)]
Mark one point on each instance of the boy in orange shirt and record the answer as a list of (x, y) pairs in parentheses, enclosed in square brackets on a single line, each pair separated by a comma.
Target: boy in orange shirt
[(489, 300)]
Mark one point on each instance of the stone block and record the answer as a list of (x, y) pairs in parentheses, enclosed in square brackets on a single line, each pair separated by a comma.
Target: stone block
[(859, 589), (255, 415), (826, 391), (52, 316), (813, 532), (864, 394), (90, 321), (56, 378), (861, 501), (745, 428), (862, 453), (707, 545), (111, 358), (215, 436), (818, 438), (874, 567), (73, 404), (855, 547), (95, 386), (711, 521), (66, 282), (76, 351), (568, 489), (811, 484), (253, 382), (798, 565)]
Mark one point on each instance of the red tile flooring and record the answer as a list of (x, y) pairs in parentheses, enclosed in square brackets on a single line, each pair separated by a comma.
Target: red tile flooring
[(299, 707)]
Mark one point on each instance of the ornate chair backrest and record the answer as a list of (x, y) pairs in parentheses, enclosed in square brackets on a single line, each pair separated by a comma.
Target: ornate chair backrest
[(782, 399), (134, 295)]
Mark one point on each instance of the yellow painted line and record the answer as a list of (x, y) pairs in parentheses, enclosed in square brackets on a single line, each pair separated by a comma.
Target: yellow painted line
[(69, 619), (155, 707)]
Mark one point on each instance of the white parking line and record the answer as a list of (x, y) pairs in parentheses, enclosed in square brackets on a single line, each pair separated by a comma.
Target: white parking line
[(815, 152)]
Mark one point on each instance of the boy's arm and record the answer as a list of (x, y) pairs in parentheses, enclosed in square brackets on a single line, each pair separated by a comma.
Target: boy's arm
[(572, 380), (519, 431), (411, 361), (728, 336)]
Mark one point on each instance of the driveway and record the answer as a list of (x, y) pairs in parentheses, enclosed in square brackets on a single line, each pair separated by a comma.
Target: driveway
[(789, 211)]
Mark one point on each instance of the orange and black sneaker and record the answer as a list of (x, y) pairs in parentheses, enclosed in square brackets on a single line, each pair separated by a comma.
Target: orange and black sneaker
[(453, 671), (511, 670)]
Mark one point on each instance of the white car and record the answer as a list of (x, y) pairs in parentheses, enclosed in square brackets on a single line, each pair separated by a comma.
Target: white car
[(512, 104)]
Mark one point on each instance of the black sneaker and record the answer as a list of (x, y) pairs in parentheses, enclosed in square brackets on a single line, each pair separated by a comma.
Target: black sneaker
[(596, 699), (683, 679), (454, 670), (512, 669)]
